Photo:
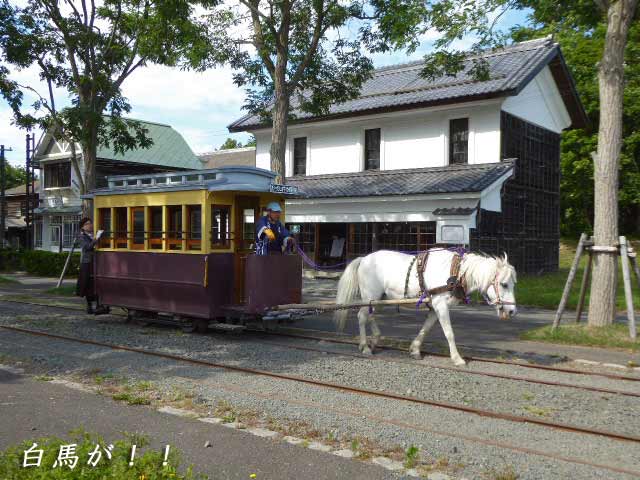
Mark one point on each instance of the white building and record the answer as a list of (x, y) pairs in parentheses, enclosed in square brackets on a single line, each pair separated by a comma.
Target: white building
[(413, 163), (60, 206)]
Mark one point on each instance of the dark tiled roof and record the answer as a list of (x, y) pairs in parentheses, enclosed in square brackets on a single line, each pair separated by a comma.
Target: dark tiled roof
[(454, 211), (416, 181), (401, 87)]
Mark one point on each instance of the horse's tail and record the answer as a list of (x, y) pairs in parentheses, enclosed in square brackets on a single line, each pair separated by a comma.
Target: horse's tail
[(347, 290)]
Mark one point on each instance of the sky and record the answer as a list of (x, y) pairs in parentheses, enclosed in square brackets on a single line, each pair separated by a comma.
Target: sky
[(198, 105)]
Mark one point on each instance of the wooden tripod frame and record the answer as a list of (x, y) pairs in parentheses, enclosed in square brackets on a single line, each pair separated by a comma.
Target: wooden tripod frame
[(587, 246)]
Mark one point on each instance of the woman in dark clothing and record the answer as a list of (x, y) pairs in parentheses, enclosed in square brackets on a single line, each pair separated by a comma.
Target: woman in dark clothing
[(84, 287)]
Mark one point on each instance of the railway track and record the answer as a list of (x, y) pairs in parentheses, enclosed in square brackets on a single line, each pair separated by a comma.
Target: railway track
[(453, 369), (324, 338), (380, 394), (338, 387)]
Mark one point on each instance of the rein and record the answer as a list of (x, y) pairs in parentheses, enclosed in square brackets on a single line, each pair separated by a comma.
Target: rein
[(498, 301)]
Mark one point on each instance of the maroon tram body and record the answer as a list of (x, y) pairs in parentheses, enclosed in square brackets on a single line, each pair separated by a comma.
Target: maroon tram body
[(179, 247), (199, 286)]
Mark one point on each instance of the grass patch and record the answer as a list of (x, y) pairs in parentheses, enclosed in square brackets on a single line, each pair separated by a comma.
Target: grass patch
[(148, 464), (610, 336), (546, 290), (538, 411), (7, 280), (64, 291), (411, 457), (131, 398)]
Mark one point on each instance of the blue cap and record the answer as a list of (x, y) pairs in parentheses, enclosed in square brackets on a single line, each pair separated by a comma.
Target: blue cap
[(274, 207)]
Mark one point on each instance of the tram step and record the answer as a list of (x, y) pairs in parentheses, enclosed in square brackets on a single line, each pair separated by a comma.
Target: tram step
[(227, 327)]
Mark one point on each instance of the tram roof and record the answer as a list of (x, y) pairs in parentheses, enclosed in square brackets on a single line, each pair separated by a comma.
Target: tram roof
[(231, 178)]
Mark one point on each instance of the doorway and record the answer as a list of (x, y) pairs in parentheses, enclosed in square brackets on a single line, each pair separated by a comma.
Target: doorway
[(331, 243)]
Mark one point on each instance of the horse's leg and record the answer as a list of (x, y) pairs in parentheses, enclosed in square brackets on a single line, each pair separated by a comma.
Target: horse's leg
[(441, 308), (429, 322), (363, 318), (375, 330)]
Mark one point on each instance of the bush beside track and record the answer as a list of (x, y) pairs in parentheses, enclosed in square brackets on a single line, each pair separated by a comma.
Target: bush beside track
[(38, 262)]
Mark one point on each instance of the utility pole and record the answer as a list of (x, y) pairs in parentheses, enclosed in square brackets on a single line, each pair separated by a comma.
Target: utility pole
[(3, 199), (28, 215)]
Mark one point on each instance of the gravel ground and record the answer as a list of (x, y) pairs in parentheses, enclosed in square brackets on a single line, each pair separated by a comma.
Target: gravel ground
[(349, 414)]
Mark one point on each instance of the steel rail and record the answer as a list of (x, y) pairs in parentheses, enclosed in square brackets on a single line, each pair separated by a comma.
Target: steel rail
[(459, 370), (339, 387), (326, 338), (435, 354), (420, 428)]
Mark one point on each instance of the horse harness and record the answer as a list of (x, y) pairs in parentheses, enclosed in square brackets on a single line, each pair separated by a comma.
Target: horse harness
[(455, 285)]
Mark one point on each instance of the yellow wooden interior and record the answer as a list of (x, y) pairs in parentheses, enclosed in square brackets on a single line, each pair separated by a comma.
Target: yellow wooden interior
[(184, 198)]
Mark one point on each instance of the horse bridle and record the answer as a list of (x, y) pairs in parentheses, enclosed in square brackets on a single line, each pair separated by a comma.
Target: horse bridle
[(497, 301)]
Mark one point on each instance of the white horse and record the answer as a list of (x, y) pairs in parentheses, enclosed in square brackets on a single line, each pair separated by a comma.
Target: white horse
[(384, 273)]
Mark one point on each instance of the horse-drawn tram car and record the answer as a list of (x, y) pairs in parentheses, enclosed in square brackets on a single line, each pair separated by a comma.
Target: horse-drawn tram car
[(179, 247)]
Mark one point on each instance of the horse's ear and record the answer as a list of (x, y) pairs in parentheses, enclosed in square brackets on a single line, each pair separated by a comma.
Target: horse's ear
[(505, 259)]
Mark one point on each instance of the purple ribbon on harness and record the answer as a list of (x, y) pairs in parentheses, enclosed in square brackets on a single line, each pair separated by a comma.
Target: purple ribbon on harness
[(420, 301)]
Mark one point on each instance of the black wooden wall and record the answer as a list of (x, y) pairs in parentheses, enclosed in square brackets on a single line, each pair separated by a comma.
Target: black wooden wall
[(528, 228)]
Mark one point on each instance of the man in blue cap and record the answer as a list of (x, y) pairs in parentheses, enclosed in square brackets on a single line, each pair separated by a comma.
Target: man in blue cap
[(272, 236)]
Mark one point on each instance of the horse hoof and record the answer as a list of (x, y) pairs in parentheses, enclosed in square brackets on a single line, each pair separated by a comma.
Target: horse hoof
[(415, 355), (460, 362), (366, 351)]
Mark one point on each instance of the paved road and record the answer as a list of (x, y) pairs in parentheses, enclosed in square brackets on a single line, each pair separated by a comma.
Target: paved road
[(31, 408)]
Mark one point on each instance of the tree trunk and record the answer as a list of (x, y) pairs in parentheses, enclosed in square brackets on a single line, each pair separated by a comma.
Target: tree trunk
[(280, 116), (602, 301), (89, 154)]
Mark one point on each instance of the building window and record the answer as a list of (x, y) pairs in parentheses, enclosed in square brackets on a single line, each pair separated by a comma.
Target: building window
[(70, 230), (54, 235), (194, 227), (155, 223), (220, 226), (372, 149), (137, 224), (174, 235), (300, 156), (458, 141), (57, 175), (120, 227)]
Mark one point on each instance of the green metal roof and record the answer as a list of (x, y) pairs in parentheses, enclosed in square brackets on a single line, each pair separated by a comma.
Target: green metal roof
[(169, 149)]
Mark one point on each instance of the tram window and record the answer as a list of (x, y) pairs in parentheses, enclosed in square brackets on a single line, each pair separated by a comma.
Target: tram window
[(121, 227), (137, 223), (174, 235), (220, 226), (155, 223), (104, 223), (194, 227), (248, 224)]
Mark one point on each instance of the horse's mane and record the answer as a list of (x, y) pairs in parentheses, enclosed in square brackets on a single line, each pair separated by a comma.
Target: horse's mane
[(480, 269)]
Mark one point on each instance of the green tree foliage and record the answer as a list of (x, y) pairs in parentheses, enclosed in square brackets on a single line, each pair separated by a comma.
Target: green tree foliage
[(582, 48), (314, 53), (233, 143), (230, 143), (89, 49), (15, 176)]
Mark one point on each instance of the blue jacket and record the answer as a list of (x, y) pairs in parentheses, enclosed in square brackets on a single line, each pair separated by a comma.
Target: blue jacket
[(263, 246)]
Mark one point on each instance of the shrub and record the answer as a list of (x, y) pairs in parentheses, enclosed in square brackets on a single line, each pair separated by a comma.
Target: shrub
[(38, 262), (147, 464)]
